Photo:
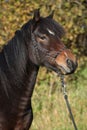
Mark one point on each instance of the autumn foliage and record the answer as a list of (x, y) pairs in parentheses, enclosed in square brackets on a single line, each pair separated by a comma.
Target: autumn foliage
[(72, 15)]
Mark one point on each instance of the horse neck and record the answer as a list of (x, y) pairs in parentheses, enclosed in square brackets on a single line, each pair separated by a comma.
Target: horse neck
[(31, 78), (27, 90)]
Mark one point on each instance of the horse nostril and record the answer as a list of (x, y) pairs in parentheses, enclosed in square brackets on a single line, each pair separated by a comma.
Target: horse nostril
[(71, 65), (69, 62)]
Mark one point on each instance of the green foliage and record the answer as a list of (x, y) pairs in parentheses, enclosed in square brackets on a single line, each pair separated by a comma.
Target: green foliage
[(50, 112)]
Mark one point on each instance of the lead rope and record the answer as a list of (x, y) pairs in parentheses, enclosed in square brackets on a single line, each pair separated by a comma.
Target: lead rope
[(66, 99)]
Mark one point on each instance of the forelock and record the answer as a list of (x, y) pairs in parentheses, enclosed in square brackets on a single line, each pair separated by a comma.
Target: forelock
[(53, 27)]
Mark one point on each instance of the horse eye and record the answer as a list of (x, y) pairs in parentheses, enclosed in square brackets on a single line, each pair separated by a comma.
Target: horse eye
[(42, 37)]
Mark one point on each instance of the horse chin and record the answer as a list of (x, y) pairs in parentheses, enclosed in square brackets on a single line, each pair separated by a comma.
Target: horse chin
[(64, 71), (61, 70)]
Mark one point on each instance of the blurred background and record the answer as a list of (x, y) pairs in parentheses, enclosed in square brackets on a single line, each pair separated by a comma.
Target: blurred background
[(49, 108)]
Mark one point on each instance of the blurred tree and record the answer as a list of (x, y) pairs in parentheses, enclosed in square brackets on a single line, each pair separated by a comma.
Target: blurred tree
[(71, 14)]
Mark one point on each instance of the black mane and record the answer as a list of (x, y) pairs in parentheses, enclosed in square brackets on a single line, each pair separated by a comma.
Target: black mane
[(12, 52), (13, 62)]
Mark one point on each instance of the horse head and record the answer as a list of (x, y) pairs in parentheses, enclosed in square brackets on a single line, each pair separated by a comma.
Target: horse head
[(48, 48)]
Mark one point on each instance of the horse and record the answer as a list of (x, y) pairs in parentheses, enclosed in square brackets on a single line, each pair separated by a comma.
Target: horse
[(37, 43)]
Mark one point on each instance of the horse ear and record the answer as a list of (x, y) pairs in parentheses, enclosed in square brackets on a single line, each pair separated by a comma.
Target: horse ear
[(51, 15), (36, 15)]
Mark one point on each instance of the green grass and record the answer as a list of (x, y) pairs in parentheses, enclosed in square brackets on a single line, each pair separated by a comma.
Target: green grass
[(49, 108)]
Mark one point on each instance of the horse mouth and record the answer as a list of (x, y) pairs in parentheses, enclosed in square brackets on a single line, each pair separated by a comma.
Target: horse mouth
[(64, 71)]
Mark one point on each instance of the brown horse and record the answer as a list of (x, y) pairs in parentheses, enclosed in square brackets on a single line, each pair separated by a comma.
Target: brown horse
[(36, 44)]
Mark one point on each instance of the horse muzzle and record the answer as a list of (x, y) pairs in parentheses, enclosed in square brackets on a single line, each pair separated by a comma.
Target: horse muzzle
[(66, 62)]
